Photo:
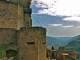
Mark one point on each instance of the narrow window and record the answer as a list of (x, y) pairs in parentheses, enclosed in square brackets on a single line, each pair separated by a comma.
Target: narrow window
[(30, 43), (11, 43), (44, 43)]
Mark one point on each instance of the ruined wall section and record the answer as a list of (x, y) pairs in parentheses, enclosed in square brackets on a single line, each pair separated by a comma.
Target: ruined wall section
[(28, 42), (42, 44), (8, 38), (9, 14)]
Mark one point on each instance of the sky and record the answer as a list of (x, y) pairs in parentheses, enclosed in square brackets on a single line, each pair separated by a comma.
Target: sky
[(61, 18)]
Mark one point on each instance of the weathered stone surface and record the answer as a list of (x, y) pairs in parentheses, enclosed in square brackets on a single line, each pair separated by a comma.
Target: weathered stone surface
[(24, 3), (20, 40), (11, 15), (32, 43), (8, 36), (27, 20)]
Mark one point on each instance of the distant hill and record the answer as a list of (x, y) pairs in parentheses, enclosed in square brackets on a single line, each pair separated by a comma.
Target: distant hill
[(57, 41), (64, 40), (75, 37), (51, 41), (74, 45)]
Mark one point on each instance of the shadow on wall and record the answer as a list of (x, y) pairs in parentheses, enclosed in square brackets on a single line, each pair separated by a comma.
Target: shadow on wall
[(11, 54)]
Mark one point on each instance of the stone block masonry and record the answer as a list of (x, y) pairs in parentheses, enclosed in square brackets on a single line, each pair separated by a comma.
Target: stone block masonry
[(19, 39), (11, 15)]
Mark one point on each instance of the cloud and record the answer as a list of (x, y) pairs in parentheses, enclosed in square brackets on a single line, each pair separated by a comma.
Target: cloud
[(78, 27), (77, 19), (55, 25), (68, 26), (63, 32), (60, 25), (69, 8)]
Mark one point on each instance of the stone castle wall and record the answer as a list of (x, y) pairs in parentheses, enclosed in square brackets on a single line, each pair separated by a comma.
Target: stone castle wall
[(25, 3), (20, 22), (8, 36), (42, 44), (27, 20), (31, 44), (20, 39), (11, 15)]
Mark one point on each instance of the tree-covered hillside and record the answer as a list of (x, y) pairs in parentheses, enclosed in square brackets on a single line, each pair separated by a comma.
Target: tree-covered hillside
[(57, 41), (74, 45)]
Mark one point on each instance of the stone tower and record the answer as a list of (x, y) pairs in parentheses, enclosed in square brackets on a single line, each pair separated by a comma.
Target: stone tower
[(14, 14), (18, 38), (27, 11)]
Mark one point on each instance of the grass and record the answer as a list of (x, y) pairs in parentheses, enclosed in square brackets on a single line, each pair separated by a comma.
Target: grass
[(2, 52)]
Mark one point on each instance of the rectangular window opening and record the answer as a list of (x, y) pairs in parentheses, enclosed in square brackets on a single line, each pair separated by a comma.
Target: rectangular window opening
[(30, 43)]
